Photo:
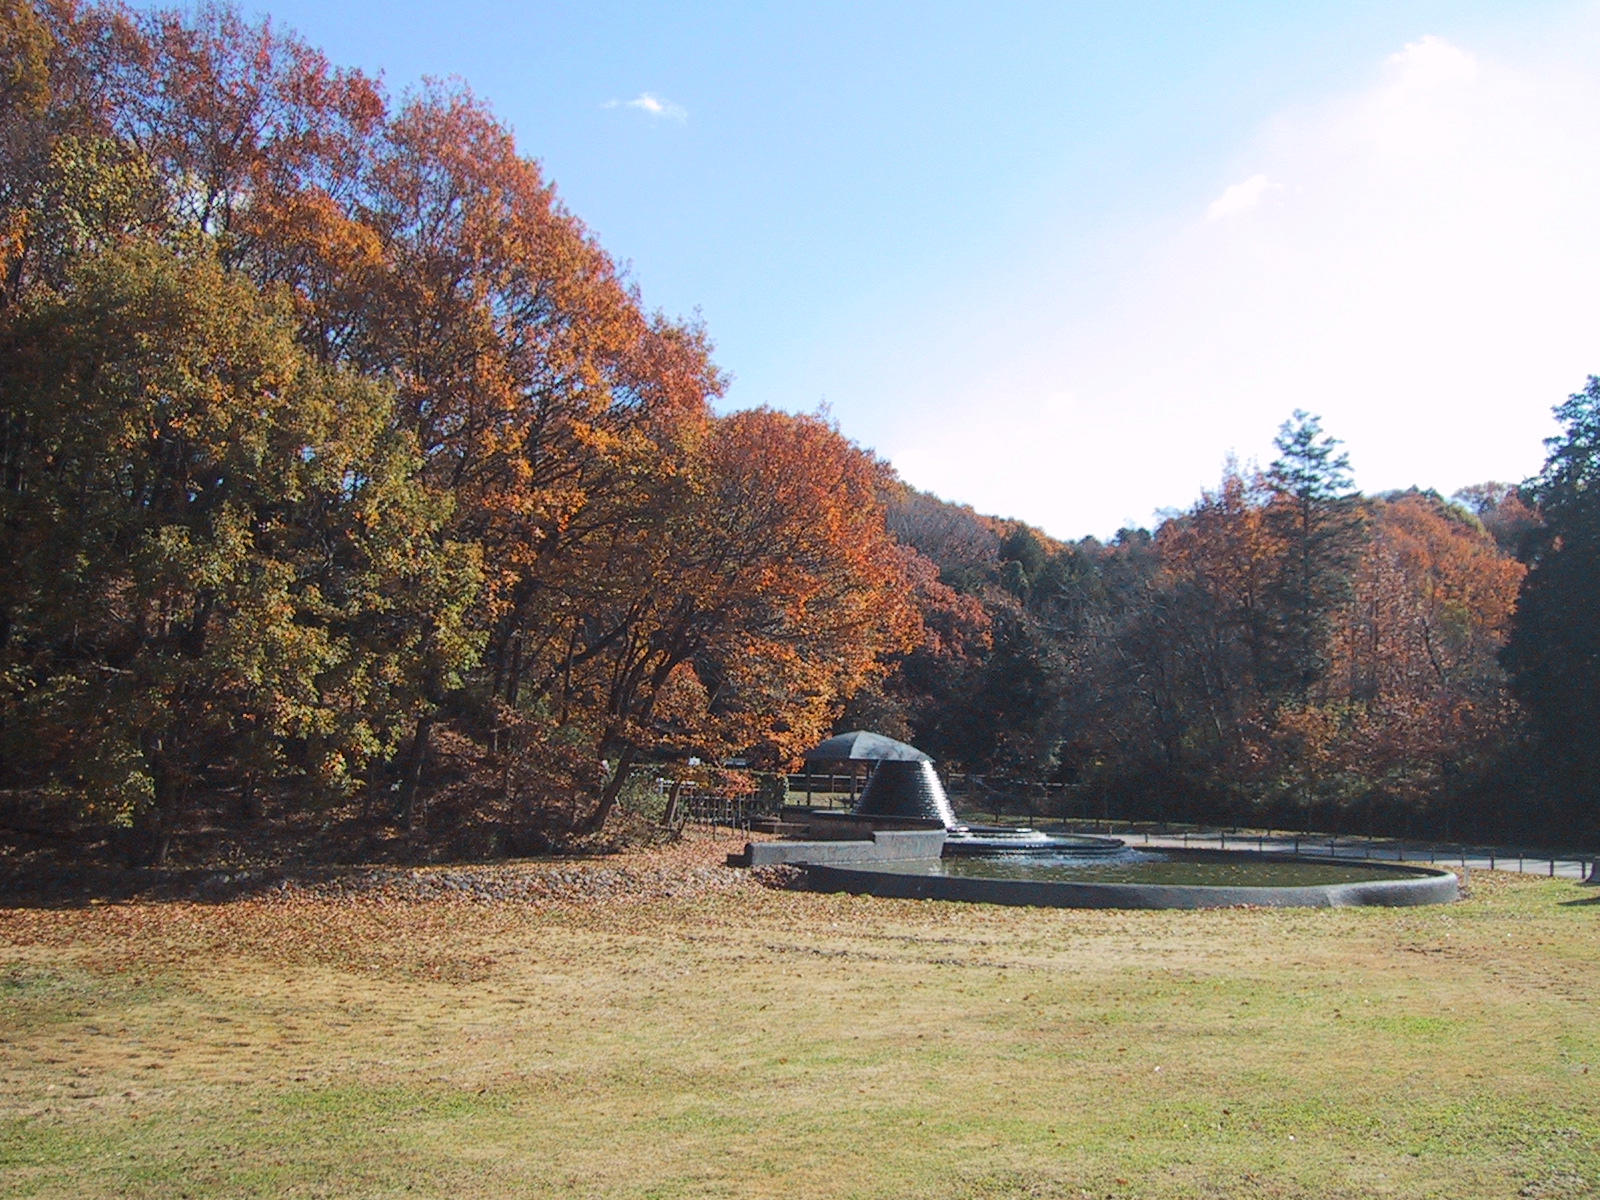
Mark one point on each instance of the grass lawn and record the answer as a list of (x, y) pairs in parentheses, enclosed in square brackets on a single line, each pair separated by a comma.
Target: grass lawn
[(736, 1040)]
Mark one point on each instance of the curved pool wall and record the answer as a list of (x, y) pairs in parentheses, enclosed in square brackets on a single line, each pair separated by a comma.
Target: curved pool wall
[(1415, 885)]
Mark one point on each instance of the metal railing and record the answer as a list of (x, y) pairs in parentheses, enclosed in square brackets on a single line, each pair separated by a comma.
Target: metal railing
[(839, 790), (1546, 861), (704, 808)]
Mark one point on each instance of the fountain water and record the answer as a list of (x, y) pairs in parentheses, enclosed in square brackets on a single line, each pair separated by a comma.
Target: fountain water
[(910, 789)]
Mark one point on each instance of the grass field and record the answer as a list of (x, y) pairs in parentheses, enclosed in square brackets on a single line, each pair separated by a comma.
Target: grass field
[(739, 1040)]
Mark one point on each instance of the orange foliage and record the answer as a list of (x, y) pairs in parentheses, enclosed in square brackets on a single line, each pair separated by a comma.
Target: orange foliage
[(953, 625), (796, 565), (1433, 600), (653, 577), (1412, 692), (1225, 549)]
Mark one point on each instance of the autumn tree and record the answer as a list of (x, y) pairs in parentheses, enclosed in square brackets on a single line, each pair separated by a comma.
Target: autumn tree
[(423, 251), (1432, 602), (1222, 559), (26, 48), (220, 561), (916, 700), (772, 579), (986, 692), (964, 546), (1503, 511), (1407, 705), (257, 137), (398, 369)]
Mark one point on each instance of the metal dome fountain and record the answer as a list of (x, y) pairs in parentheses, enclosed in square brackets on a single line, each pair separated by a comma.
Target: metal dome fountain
[(904, 787), (902, 835)]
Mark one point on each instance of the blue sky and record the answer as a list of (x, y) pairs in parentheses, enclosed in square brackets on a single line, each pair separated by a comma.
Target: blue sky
[(1059, 260)]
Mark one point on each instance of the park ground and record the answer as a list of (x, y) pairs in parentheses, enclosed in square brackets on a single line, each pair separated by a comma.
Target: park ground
[(657, 1025)]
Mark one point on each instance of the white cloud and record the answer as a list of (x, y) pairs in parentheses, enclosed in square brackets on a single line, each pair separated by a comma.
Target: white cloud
[(1241, 197), (654, 106), (1432, 62), (1428, 292)]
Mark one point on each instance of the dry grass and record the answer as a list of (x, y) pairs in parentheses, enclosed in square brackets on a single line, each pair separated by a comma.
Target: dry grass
[(733, 1040)]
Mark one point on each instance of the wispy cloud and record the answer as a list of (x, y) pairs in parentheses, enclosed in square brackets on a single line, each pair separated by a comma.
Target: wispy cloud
[(1241, 197), (653, 106)]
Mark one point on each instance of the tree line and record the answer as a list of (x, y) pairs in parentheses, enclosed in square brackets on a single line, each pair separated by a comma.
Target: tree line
[(343, 472), (341, 463), (1286, 651)]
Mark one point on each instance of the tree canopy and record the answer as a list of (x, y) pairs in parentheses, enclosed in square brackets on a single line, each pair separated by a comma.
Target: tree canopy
[(327, 433)]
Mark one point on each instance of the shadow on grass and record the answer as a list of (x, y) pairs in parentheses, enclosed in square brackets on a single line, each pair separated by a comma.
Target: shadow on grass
[(420, 871), (80, 869), (85, 889)]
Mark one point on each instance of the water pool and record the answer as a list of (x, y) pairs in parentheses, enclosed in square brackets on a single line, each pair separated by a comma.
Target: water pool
[(1146, 879)]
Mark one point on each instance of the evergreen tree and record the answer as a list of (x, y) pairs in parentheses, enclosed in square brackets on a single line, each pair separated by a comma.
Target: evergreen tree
[(1315, 519), (1554, 650), (1022, 562)]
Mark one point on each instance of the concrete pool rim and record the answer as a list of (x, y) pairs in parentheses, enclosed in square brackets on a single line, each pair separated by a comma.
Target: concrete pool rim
[(1417, 885)]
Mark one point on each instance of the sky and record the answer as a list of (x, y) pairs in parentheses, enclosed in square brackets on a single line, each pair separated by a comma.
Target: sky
[(1060, 260)]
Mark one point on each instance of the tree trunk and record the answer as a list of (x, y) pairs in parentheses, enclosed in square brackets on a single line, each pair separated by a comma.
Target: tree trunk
[(250, 805), (166, 809), (413, 807), (669, 819), (613, 789)]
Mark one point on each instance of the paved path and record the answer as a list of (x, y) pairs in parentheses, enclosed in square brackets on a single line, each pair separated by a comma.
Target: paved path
[(1487, 858)]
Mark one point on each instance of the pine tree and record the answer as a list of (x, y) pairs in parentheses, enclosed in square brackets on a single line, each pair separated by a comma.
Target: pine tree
[(1554, 650), (1314, 517)]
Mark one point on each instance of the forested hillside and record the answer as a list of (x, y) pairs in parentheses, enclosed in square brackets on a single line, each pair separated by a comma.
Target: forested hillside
[(1286, 650), (345, 481)]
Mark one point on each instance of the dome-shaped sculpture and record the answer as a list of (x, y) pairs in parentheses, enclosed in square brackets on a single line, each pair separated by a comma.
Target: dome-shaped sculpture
[(862, 745), (906, 788)]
